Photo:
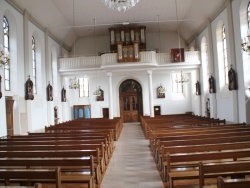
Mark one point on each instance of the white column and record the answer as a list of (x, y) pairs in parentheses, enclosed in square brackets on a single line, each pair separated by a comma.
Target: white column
[(111, 116), (150, 86)]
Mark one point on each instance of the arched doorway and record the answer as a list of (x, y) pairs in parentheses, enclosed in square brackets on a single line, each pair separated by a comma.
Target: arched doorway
[(130, 93)]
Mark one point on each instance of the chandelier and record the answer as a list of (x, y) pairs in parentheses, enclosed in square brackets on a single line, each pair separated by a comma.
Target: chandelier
[(161, 89), (245, 45), (74, 84), (182, 79), (97, 92), (4, 57), (120, 5)]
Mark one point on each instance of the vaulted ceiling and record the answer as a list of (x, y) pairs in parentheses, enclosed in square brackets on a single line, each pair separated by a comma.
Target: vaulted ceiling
[(69, 20)]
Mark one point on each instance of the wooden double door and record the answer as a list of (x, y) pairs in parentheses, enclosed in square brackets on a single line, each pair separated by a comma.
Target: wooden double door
[(130, 101)]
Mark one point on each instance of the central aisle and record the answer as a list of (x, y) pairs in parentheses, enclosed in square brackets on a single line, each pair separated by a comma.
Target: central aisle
[(132, 165)]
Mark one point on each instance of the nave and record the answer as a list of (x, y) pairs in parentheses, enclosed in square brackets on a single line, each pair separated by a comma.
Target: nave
[(132, 165)]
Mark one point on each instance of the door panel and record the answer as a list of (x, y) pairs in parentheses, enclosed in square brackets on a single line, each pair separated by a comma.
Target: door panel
[(134, 116), (127, 116), (130, 101), (130, 108)]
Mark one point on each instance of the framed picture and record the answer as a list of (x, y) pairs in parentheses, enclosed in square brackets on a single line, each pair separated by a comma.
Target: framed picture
[(177, 55)]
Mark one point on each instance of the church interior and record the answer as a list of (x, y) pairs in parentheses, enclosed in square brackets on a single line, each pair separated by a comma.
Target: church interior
[(125, 93)]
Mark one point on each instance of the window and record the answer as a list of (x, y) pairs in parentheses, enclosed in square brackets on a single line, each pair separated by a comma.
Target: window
[(177, 87), (84, 87), (248, 15), (34, 65), (206, 59), (6, 48), (224, 44), (205, 63)]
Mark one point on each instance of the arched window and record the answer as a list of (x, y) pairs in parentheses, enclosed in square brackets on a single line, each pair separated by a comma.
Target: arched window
[(205, 63), (6, 48), (206, 60), (34, 64), (248, 16), (224, 43)]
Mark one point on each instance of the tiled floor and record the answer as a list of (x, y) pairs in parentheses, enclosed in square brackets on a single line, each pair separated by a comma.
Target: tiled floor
[(132, 165)]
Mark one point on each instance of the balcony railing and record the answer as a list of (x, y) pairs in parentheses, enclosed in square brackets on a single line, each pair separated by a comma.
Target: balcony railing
[(107, 60)]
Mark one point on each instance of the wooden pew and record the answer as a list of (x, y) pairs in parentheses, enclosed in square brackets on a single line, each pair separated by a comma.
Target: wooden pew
[(99, 165), (55, 148), (71, 168), (222, 169), (212, 170), (115, 124), (9, 176), (68, 135), (199, 136), (232, 183), (176, 120), (158, 153), (201, 141), (190, 160)]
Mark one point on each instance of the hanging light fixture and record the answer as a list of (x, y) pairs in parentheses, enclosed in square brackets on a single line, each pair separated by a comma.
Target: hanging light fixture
[(4, 57), (120, 5), (245, 45), (97, 92), (74, 84), (182, 79)]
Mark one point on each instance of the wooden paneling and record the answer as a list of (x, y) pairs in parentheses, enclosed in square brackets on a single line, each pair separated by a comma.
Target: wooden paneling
[(9, 115)]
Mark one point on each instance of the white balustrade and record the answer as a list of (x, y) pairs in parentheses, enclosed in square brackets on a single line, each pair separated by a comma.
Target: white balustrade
[(163, 58), (148, 57), (192, 56), (110, 59)]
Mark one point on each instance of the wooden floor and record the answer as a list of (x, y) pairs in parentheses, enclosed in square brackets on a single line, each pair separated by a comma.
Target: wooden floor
[(132, 165)]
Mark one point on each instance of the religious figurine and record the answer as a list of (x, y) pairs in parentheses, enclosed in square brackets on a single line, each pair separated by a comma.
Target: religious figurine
[(29, 95), (211, 84), (55, 112), (49, 92), (63, 95), (101, 96), (208, 105), (232, 85), (198, 89)]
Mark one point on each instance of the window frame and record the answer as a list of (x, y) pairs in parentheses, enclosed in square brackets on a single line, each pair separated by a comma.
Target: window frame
[(34, 65), (82, 87), (176, 86), (6, 48), (225, 55)]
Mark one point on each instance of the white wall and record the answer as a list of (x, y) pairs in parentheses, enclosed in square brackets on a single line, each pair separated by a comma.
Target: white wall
[(17, 68), (29, 115)]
